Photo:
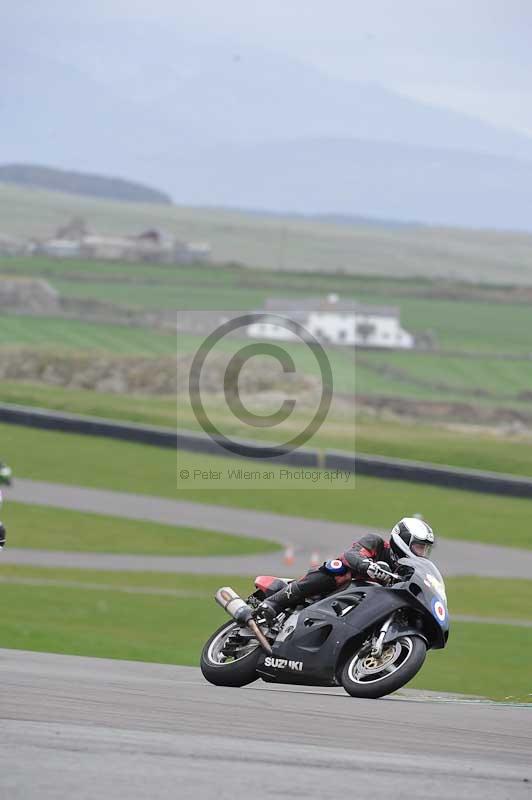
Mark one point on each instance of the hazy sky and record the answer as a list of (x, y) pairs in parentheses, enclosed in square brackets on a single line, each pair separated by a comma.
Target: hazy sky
[(470, 55)]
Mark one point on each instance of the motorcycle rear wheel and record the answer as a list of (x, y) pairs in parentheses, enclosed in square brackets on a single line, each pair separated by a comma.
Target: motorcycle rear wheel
[(371, 677), (223, 672)]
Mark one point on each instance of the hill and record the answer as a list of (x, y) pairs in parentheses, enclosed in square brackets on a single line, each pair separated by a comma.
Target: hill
[(80, 183), (287, 242), (440, 186), (260, 130)]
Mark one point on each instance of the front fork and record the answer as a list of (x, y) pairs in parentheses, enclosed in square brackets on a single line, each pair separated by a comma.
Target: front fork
[(376, 649)]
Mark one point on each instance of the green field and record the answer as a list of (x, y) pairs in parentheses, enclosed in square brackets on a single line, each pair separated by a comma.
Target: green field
[(461, 325), (212, 278), (478, 328), (483, 597), (46, 528), (457, 325), (97, 462), (485, 381), (149, 409), (481, 379), (166, 295), (72, 335), (463, 447), (286, 242), (482, 325), (167, 619), (481, 659)]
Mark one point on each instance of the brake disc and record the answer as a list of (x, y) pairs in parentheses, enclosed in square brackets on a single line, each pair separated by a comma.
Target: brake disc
[(371, 663)]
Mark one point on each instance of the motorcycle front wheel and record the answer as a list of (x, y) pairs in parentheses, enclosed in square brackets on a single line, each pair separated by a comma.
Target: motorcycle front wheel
[(224, 663), (367, 675)]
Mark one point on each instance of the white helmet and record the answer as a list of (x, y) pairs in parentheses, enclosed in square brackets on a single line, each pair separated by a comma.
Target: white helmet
[(411, 535)]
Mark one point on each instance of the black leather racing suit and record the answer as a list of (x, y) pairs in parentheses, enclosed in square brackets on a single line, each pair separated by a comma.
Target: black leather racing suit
[(353, 563), (369, 546)]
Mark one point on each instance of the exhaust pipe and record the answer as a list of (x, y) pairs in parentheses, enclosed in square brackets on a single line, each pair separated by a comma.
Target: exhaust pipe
[(237, 608)]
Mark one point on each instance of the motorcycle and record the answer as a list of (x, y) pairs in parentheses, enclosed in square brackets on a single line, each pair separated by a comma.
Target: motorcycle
[(6, 474), (370, 639)]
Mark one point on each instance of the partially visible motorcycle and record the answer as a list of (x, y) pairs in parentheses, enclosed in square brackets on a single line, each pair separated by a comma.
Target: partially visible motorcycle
[(6, 474), (2, 528), (368, 638)]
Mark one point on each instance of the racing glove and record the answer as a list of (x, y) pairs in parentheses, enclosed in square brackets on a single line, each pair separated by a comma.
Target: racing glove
[(375, 572)]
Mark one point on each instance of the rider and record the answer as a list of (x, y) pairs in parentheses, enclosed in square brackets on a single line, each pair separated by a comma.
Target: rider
[(2, 529), (5, 474), (368, 558)]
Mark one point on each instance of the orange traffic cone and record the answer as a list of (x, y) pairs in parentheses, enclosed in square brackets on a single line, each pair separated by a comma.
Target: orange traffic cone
[(289, 555)]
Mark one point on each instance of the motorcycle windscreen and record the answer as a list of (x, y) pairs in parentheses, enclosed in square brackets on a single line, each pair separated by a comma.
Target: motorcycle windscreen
[(431, 587)]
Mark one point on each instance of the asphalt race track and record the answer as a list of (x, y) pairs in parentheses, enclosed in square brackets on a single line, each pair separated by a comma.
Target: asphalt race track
[(94, 728), (328, 538)]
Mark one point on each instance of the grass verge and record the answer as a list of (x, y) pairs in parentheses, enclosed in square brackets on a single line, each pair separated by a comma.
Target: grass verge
[(465, 447), (490, 597), (100, 614), (47, 528), (102, 463), (481, 659)]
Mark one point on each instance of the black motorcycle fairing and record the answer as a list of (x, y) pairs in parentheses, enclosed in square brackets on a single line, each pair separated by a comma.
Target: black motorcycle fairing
[(314, 640), (396, 630)]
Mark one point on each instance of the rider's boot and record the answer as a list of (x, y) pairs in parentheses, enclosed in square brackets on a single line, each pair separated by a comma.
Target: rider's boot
[(290, 595), (315, 582)]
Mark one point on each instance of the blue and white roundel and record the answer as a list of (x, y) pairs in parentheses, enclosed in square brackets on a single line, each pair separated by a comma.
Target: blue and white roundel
[(335, 567), (439, 611)]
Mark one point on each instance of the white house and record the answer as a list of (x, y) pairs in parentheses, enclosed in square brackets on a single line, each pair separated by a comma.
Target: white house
[(61, 248), (339, 322)]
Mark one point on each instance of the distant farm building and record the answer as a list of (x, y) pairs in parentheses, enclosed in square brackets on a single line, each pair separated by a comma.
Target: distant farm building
[(74, 240), (334, 321), (59, 248), (108, 248), (154, 245)]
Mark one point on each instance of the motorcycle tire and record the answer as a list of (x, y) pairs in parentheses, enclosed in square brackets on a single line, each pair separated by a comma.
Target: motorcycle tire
[(236, 673), (369, 677)]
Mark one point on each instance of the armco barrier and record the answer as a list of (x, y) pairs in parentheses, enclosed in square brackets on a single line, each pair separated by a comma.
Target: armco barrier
[(422, 472), (362, 464), (91, 426)]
